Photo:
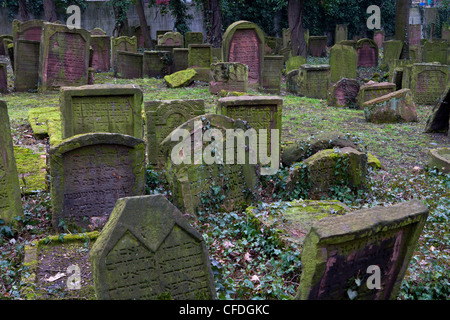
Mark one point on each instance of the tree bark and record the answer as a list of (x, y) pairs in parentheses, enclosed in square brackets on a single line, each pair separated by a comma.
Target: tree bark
[(23, 13), (402, 25), (295, 19), (145, 30), (50, 10), (213, 17), (121, 27)]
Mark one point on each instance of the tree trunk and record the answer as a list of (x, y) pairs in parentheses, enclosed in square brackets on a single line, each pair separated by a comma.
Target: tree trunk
[(23, 13), (295, 19), (213, 18), (121, 27), (145, 30), (50, 11), (402, 25)]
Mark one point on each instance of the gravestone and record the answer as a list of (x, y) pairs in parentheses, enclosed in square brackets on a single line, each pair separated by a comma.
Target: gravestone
[(313, 81), (317, 46), (343, 93), (98, 32), (123, 43), (129, 65), (10, 197), (193, 38), (286, 38), (3, 78), (273, 45), (64, 57), (175, 39), (440, 159), (372, 90), (149, 251), (200, 59), (272, 74), (439, 120), (392, 51), (193, 177), (157, 64), (428, 82), (101, 108), (243, 42), (343, 62), (291, 81), (339, 250), (394, 107), (89, 172), (101, 56), (340, 33), (162, 117), (28, 30), (367, 51), (435, 51), (3, 49), (415, 34), (228, 76), (26, 75), (378, 37), (180, 59)]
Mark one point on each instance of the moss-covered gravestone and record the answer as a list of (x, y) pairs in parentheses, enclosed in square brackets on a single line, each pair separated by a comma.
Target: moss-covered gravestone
[(209, 166), (343, 62), (340, 33), (372, 90), (271, 77), (244, 42), (89, 172), (192, 37), (392, 51), (313, 81), (27, 30), (181, 78), (394, 107), (10, 198), (149, 251), (362, 255), (428, 82), (228, 76), (157, 64), (435, 51), (101, 108), (123, 43), (162, 117), (64, 57), (200, 59), (101, 57), (128, 65), (180, 59), (291, 81), (175, 39), (367, 51), (26, 68)]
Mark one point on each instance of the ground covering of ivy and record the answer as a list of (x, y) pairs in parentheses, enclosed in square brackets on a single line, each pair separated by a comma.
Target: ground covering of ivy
[(247, 259)]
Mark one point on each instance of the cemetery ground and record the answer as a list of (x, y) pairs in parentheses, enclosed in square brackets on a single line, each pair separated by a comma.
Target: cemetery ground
[(248, 259)]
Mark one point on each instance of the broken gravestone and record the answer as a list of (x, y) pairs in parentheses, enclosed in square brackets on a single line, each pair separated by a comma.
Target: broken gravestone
[(228, 76), (362, 255), (149, 251), (440, 158), (439, 120)]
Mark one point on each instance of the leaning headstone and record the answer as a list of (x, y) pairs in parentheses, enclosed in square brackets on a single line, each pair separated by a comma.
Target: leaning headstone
[(343, 93), (200, 59), (28, 30), (373, 90), (313, 81), (243, 42), (199, 171), (359, 246), (128, 65), (343, 62), (101, 108), (439, 121), (340, 33), (3, 78), (64, 57), (228, 76), (10, 197), (181, 78), (101, 58), (192, 37), (89, 172), (162, 117), (317, 46), (149, 251), (367, 51), (435, 51), (394, 107), (272, 74), (123, 43), (26, 75), (157, 64), (180, 59), (428, 82)]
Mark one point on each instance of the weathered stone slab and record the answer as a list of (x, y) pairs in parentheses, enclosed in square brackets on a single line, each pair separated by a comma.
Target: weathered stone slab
[(180, 59), (271, 77), (101, 108), (313, 81), (372, 90), (228, 76), (123, 43), (243, 42), (428, 82), (181, 78), (200, 59), (171, 39), (101, 56), (340, 33), (64, 57), (273, 45), (435, 51), (3, 49), (10, 197), (291, 81), (192, 37), (129, 65), (392, 51), (28, 30), (415, 34), (394, 107), (339, 250), (98, 32), (3, 78), (162, 117), (367, 51), (26, 75), (343, 93), (294, 63), (440, 158), (149, 251), (343, 62), (318, 46), (89, 172), (157, 64)]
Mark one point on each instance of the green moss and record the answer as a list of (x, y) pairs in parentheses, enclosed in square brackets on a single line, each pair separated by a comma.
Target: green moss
[(31, 168), (38, 118), (373, 161), (181, 78), (294, 63)]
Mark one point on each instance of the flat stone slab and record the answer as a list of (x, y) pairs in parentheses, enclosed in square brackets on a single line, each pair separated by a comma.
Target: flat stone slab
[(440, 158)]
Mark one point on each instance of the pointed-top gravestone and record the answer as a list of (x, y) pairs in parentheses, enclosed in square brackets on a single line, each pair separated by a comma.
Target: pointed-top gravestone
[(148, 250)]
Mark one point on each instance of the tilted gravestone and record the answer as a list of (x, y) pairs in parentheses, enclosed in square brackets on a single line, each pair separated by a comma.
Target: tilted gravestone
[(343, 62), (101, 56), (28, 30), (89, 172), (272, 74), (376, 243), (128, 65), (343, 93), (428, 82), (157, 63), (149, 251), (123, 43), (372, 90), (101, 108), (367, 51), (64, 57), (26, 69), (162, 117), (228, 76), (313, 81), (213, 168), (243, 42), (10, 198), (3, 78)]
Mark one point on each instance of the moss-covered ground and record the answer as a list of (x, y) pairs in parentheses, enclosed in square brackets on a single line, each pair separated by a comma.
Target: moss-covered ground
[(247, 261)]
